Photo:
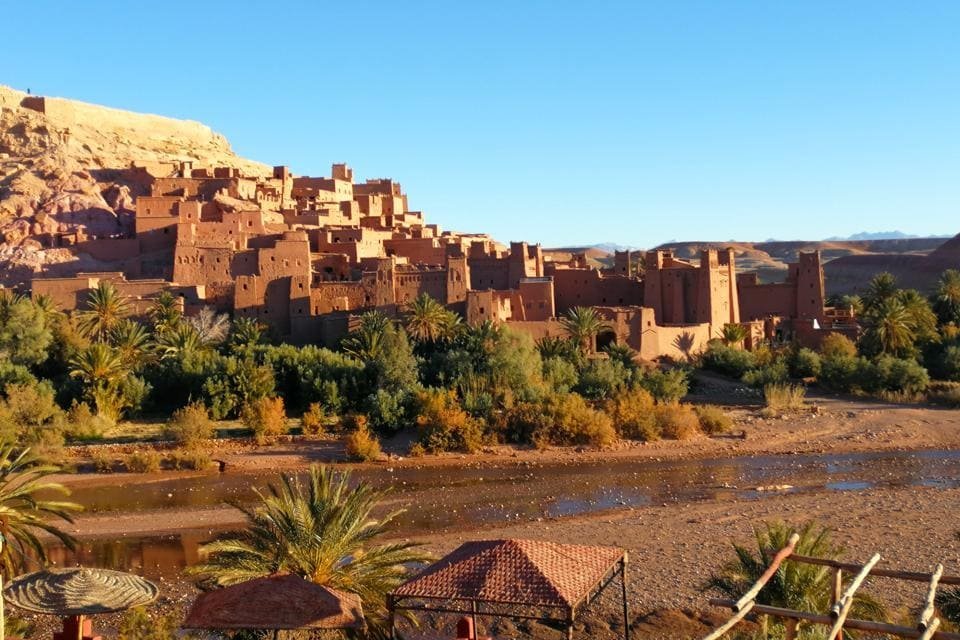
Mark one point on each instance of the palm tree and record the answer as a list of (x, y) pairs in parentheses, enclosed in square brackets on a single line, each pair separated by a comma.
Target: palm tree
[(557, 347), (132, 342), (734, 334), (23, 513), (795, 585), (622, 353), (366, 341), (321, 529), (212, 327), (106, 308), (882, 287), (892, 326), (165, 313), (946, 297), (429, 321), (583, 325), (923, 318), (99, 365), (245, 334), (182, 339)]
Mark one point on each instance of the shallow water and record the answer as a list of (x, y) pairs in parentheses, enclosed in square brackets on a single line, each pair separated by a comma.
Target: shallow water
[(470, 497)]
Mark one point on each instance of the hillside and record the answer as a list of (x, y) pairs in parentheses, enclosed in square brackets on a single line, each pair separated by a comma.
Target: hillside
[(59, 171)]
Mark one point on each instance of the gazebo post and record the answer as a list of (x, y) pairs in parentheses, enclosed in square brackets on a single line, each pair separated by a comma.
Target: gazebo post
[(473, 617), (626, 610), (570, 624), (392, 608)]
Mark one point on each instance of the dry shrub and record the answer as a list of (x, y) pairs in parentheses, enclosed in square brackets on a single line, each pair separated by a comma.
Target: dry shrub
[(190, 427), (104, 462), (194, 459), (781, 398), (836, 345), (560, 419), (632, 413), (417, 450), (313, 422), (443, 425), (84, 425), (266, 418), (677, 421), (361, 444), (713, 420), (143, 461), (944, 393)]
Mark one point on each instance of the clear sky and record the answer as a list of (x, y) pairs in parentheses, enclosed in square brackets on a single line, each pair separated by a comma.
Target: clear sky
[(560, 122)]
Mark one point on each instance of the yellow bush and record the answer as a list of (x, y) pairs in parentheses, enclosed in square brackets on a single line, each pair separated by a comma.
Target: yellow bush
[(837, 345), (266, 418), (783, 397), (361, 444), (143, 461), (190, 426), (443, 425), (313, 421), (632, 413), (712, 419), (677, 421)]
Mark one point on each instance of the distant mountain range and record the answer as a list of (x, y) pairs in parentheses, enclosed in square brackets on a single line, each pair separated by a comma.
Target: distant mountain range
[(880, 235)]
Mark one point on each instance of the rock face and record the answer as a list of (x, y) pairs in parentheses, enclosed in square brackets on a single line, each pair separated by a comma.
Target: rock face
[(62, 168)]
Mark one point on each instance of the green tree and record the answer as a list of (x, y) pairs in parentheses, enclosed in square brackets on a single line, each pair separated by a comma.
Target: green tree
[(165, 312), (246, 334), (946, 297), (426, 320), (583, 325), (132, 342), (24, 513), (25, 330), (882, 288), (795, 585), (180, 341), (322, 529), (106, 307), (891, 327), (365, 341)]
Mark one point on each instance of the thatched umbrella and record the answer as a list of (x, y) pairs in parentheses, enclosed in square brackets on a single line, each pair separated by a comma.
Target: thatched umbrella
[(77, 592), (278, 602)]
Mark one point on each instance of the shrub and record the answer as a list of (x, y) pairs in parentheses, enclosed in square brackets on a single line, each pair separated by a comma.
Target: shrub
[(388, 411), (190, 426), (361, 444), (805, 363), (143, 461), (783, 397), (559, 419), (417, 450), (30, 415), (837, 345), (137, 624), (266, 418), (713, 420), (901, 375), (666, 386), (443, 425), (773, 373), (559, 374), (728, 360), (632, 414), (313, 422), (946, 364), (945, 393), (601, 378), (83, 425), (104, 462), (194, 459), (840, 372), (677, 421)]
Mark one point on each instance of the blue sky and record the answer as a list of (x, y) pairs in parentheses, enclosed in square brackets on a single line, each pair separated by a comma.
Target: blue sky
[(559, 122)]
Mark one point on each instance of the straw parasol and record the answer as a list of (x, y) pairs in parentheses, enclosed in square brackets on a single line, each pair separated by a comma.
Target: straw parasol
[(75, 593), (278, 602), (79, 591)]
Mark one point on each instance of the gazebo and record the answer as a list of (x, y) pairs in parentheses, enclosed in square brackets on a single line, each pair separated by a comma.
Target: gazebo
[(278, 603), (521, 579), (75, 593)]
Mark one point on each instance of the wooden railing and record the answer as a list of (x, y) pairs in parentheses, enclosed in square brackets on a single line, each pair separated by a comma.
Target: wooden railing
[(838, 619)]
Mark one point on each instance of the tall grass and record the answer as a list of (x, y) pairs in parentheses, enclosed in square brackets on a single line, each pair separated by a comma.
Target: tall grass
[(781, 397)]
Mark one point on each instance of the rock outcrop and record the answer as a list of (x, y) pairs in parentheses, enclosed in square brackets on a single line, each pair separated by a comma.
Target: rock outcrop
[(63, 171)]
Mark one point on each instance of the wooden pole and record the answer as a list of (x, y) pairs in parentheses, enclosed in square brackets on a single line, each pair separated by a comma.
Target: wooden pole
[(626, 610), (927, 614), (778, 559), (915, 576), (473, 618), (841, 609), (837, 592), (931, 629), (392, 608), (721, 631)]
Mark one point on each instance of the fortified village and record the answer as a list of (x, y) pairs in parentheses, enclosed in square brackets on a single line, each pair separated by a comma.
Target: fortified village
[(307, 256)]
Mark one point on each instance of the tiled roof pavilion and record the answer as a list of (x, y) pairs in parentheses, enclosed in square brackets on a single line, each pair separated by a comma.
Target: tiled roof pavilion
[(554, 578)]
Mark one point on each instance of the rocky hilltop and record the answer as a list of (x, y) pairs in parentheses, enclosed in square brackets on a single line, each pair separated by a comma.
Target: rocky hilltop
[(62, 168)]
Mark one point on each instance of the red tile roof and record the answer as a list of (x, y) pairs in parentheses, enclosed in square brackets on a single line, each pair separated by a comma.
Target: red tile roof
[(275, 602), (522, 572)]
